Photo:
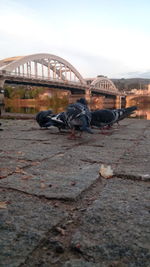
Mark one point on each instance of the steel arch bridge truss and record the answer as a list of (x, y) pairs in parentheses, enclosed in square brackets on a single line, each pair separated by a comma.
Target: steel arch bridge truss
[(42, 66), (104, 84)]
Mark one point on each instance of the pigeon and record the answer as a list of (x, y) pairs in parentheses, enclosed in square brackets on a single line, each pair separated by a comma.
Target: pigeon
[(47, 119), (106, 117), (58, 120), (42, 118), (78, 117)]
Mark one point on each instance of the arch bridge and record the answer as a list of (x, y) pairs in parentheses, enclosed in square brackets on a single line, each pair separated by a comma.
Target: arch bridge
[(54, 72), (103, 86), (41, 69)]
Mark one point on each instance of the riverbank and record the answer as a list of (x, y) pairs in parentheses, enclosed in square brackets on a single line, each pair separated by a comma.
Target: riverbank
[(23, 116), (55, 208)]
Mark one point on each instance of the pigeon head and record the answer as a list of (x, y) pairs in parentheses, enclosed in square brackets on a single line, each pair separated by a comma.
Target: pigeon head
[(82, 101)]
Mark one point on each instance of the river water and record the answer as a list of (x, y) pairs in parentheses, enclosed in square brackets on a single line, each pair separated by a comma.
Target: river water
[(59, 104)]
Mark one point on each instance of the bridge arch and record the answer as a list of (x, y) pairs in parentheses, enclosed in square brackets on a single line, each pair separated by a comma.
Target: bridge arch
[(104, 84), (46, 66)]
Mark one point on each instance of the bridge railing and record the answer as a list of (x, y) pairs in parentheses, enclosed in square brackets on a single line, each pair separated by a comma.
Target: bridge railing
[(5, 73), (8, 74), (104, 90)]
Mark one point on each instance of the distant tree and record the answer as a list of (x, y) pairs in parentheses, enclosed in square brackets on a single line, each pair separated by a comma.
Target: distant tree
[(22, 92)]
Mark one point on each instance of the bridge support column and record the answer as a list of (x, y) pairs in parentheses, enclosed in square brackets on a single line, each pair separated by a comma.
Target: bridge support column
[(2, 81), (88, 95), (119, 101)]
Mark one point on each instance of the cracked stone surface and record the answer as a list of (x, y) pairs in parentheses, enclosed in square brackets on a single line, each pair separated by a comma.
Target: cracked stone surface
[(80, 263), (55, 209), (23, 224), (116, 226), (53, 184)]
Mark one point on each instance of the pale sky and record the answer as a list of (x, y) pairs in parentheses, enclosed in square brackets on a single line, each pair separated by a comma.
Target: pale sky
[(98, 37)]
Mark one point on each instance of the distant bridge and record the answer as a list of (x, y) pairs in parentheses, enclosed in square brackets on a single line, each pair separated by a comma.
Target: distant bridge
[(54, 72)]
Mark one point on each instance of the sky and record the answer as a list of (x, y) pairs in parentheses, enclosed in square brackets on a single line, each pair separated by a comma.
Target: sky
[(98, 37)]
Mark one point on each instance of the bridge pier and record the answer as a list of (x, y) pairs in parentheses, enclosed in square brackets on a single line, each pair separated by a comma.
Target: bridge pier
[(2, 81), (88, 95), (119, 100)]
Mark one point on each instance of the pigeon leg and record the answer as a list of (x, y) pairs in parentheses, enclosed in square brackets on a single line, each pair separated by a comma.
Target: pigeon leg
[(72, 135), (61, 131), (108, 127), (104, 132), (1, 129), (80, 135)]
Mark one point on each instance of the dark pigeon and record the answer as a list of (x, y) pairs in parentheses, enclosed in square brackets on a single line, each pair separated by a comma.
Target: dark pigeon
[(78, 117), (106, 117), (47, 119), (59, 120), (42, 118)]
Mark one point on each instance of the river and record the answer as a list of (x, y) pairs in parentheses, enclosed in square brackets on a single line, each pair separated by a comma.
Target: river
[(59, 104)]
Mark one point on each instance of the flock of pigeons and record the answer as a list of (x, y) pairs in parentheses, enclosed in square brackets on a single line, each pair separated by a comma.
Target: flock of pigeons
[(79, 118)]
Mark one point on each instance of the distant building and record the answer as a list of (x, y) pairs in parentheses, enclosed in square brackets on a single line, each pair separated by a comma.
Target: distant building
[(141, 92)]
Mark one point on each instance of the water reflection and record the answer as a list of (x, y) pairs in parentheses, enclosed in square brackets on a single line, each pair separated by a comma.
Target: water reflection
[(143, 106), (32, 106)]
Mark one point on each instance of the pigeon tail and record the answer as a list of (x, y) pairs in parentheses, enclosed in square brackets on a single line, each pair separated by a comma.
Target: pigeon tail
[(125, 112)]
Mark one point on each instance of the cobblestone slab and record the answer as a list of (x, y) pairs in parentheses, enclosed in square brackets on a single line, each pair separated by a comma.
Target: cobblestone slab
[(108, 151), (81, 263), (9, 165), (29, 150), (26, 130), (54, 184), (116, 227), (107, 220), (135, 162), (24, 222)]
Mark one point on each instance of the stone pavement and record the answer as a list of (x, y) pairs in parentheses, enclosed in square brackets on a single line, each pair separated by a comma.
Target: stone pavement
[(55, 207)]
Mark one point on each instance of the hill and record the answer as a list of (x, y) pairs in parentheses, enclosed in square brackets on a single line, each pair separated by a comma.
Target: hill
[(131, 83)]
